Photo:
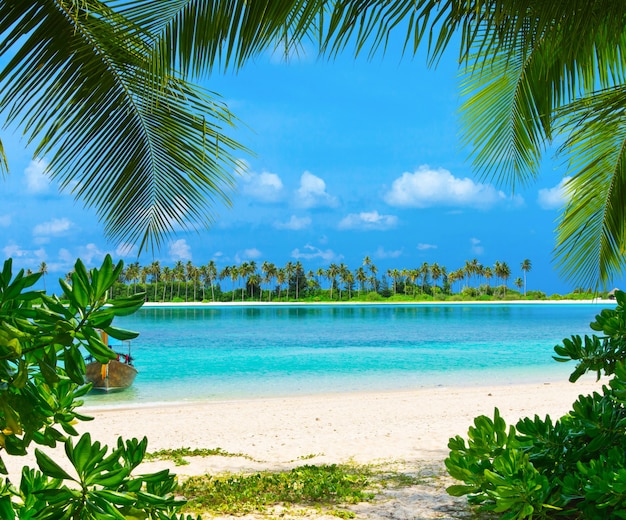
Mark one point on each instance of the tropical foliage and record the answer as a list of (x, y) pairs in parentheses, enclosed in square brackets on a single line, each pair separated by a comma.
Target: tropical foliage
[(573, 467), (267, 282), (42, 344)]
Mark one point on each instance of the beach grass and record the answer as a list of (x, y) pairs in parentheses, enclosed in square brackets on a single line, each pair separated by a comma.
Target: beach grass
[(323, 486)]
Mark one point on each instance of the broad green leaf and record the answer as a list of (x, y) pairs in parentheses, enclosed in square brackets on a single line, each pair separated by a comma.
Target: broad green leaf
[(49, 467)]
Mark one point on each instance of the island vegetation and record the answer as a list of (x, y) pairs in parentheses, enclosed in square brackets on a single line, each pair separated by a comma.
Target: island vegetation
[(267, 282)]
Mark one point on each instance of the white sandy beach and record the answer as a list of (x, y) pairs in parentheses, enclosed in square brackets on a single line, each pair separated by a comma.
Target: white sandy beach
[(411, 428)]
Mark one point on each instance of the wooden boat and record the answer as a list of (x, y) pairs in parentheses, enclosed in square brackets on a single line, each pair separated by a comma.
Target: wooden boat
[(114, 376)]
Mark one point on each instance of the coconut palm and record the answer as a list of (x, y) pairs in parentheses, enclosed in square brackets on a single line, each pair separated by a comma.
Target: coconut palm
[(210, 273), (526, 267), (331, 274), (43, 269), (281, 278), (361, 278)]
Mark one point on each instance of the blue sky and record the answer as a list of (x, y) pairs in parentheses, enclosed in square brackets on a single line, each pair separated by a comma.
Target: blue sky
[(353, 158)]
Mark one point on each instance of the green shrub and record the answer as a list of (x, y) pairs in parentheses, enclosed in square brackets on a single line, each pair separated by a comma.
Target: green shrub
[(373, 297), (570, 468), (41, 382)]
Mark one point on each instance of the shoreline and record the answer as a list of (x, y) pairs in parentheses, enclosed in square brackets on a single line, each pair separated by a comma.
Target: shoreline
[(595, 301)]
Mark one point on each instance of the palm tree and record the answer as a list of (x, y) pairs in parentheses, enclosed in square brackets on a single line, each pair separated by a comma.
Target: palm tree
[(373, 279), (155, 270), (167, 277), (281, 278), (225, 273), (361, 278), (43, 269), (526, 268), (297, 270), (519, 283), (435, 273), (210, 274), (331, 274)]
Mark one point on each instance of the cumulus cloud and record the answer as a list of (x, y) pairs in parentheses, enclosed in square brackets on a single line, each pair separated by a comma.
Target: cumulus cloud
[(249, 254), (312, 192), (91, 253), (310, 252), (294, 223), (12, 250), (368, 220), (555, 197), (264, 186), (180, 250), (429, 187), (54, 227), (381, 252), (37, 180), (426, 247), (476, 248)]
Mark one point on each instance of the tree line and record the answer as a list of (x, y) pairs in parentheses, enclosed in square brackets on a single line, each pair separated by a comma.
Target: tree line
[(266, 281)]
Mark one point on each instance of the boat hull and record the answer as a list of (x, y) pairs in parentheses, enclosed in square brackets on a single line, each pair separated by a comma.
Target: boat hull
[(113, 376)]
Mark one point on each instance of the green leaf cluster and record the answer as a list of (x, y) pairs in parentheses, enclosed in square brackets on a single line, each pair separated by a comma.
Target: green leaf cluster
[(41, 382), (236, 494), (573, 467)]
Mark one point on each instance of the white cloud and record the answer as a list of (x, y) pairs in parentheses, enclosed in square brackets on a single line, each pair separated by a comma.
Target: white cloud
[(382, 253), (37, 180), (312, 192), (12, 250), (5, 220), (555, 197), (428, 187), (310, 252), (91, 254), (251, 253), (426, 247), (180, 250), (54, 227), (476, 248), (368, 220), (264, 186), (65, 255), (294, 223)]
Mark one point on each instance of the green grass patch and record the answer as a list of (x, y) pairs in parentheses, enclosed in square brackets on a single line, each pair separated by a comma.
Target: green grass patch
[(178, 455), (321, 486)]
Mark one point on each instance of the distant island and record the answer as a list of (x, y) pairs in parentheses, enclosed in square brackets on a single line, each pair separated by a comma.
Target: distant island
[(251, 282)]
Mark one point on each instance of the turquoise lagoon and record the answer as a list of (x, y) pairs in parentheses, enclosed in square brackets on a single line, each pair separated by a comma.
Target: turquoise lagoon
[(237, 352)]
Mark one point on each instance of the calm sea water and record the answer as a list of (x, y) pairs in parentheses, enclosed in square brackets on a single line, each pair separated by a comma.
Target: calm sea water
[(238, 352)]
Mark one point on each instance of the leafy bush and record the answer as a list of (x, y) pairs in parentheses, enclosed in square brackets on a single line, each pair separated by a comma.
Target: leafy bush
[(573, 467), (41, 382), (373, 296)]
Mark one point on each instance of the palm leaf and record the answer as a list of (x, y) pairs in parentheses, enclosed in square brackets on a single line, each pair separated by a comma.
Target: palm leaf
[(200, 35), (591, 232), (147, 150)]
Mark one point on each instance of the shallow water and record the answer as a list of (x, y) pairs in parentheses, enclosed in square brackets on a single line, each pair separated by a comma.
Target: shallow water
[(231, 352)]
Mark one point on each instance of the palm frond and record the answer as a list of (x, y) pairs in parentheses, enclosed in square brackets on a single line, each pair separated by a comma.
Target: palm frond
[(201, 35), (148, 151), (591, 239)]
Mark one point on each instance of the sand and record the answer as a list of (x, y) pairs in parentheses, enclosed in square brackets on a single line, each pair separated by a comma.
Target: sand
[(408, 430)]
